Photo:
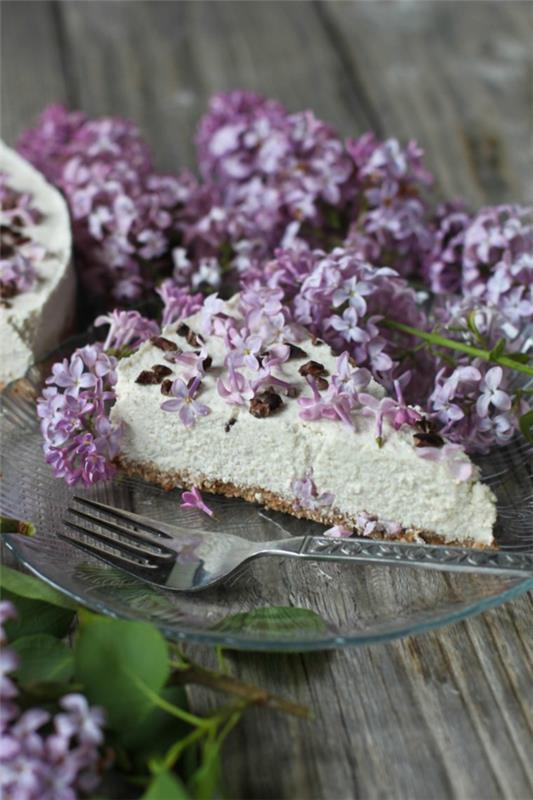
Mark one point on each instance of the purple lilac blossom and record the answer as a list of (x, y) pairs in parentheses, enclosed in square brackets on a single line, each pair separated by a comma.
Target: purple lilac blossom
[(178, 303), (474, 405), (45, 756), (126, 329), (390, 222), (80, 442), (487, 257), (193, 499), (342, 298), (278, 172), (20, 255), (308, 496), (123, 213), (183, 401)]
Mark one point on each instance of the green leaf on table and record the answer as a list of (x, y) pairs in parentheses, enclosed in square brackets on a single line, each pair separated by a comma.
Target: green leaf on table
[(10, 525), (152, 737), (526, 424), (113, 660), (165, 786), (35, 616), (43, 658), (33, 588), (205, 782), (273, 621)]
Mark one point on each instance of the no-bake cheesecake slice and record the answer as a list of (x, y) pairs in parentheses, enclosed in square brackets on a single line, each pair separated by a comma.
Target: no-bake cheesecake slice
[(37, 284), (237, 401)]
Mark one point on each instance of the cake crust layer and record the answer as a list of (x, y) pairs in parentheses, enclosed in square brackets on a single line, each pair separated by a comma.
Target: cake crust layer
[(268, 499)]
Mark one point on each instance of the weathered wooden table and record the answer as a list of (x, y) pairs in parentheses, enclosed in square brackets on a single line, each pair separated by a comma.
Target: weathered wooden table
[(447, 714)]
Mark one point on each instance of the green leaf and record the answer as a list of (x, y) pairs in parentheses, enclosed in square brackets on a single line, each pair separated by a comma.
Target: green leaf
[(158, 730), (34, 588), (43, 658), (205, 781), (10, 525), (526, 424), (111, 658), (273, 621), (165, 786), (34, 616), (497, 350), (471, 325), (520, 358)]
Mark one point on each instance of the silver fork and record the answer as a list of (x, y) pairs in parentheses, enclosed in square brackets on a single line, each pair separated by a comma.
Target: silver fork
[(192, 560)]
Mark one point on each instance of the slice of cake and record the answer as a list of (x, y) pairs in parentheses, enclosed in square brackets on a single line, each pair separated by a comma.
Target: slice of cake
[(238, 402), (37, 285)]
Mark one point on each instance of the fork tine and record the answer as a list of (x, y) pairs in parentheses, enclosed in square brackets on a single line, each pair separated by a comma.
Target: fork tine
[(131, 547), (139, 536), (119, 560), (120, 513)]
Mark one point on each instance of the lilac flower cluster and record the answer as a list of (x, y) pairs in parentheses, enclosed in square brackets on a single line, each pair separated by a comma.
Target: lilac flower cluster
[(460, 392), (486, 257), (390, 225), (20, 254), (80, 442), (178, 303), (292, 182), (342, 298), (45, 756), (257, 342), (279, 170), (123, 213), (473, 406)]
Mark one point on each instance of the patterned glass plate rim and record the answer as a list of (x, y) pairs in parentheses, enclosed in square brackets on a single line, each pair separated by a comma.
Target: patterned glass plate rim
[(509, 470)]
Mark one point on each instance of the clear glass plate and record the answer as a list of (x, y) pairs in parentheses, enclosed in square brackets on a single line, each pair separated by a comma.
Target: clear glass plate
[(275, 604)]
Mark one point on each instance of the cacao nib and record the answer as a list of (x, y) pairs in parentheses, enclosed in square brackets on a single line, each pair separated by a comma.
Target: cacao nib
[(164, 344), (147, 377), (166, 386), (229, 424), (296, 352), (265, 403), (206, 363), (428, 440), (192, 338), (428, 434), (313, 368), (161, 371), (322, 384)]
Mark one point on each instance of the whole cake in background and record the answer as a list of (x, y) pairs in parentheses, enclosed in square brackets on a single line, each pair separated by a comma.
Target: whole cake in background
[(37, 283)]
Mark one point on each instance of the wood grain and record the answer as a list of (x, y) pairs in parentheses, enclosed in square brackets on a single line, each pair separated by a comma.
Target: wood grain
[(458, 77), (163, 79), (31, 58), (449, 713)]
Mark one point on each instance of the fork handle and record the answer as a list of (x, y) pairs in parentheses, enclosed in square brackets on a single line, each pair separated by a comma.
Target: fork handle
[(368, 551)]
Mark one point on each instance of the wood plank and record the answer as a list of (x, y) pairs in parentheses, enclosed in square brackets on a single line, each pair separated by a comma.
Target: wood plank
[(158, 63), (32, 68), (446, 714), (458, 76)]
